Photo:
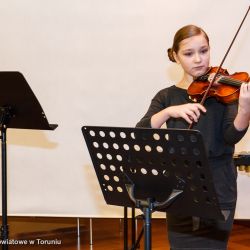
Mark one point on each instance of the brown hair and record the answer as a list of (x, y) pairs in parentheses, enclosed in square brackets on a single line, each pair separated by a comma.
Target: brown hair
[(183, 33)]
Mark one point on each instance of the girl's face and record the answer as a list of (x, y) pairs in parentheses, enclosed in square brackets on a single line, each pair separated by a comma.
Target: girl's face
[(194, 55)]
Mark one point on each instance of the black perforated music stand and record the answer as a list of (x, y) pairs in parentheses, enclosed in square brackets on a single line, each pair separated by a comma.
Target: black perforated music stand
[(153, 169), (19, 108)]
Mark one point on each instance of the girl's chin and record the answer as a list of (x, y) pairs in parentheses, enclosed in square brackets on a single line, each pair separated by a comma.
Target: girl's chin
[(199, 72)]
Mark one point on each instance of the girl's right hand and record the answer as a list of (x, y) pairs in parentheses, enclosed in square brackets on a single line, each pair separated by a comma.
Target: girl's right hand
[(190, 112)]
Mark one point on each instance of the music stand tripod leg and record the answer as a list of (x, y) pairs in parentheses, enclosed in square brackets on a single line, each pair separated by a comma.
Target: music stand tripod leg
[(137, 243)]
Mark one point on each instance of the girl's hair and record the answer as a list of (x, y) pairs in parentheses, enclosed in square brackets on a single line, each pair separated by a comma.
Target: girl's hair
[(183, 33)]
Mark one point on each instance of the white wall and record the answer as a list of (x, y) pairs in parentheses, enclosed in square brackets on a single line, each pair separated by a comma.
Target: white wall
[(95, 62)]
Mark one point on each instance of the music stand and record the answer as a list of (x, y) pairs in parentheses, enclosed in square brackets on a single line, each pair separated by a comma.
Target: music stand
[(20, 109), (154, 170)]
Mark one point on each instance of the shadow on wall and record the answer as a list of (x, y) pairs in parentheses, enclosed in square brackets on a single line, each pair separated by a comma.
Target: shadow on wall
[(30, 138), (93, 185), (174, 73), (99, 203)]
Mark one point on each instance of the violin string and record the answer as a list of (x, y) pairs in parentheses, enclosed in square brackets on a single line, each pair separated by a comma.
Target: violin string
[(230, 81), (223, 79)]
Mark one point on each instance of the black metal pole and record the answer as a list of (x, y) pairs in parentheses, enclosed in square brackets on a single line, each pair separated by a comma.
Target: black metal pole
[(133, 232), (4, 228), (147, 228), (125, 228)]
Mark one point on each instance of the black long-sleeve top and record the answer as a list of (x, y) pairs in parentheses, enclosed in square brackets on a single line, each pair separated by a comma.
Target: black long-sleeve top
[(219, 133)]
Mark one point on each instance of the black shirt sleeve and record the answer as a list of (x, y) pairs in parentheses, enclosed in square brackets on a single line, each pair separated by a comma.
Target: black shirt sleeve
[(158, 103), (231, 134)]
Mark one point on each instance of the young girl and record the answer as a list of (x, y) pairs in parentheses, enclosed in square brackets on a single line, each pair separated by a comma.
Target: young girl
[(222, 126)]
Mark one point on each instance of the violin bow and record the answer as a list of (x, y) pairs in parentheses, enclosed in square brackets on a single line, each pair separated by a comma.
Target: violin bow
[(218, 69)]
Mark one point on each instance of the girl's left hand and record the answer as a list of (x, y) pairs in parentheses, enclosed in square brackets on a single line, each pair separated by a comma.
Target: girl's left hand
[(242, 119), (244, 99)]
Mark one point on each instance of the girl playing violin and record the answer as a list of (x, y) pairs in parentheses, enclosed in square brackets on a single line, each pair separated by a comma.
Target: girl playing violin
[(222, 126)]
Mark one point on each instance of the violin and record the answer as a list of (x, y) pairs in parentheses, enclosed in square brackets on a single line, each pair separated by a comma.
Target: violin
[(225, 87)]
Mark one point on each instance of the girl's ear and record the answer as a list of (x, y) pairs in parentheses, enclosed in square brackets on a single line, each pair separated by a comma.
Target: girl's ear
[(176, 57)]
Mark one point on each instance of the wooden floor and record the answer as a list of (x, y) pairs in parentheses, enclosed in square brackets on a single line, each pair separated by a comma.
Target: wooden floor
[(61, 233)]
